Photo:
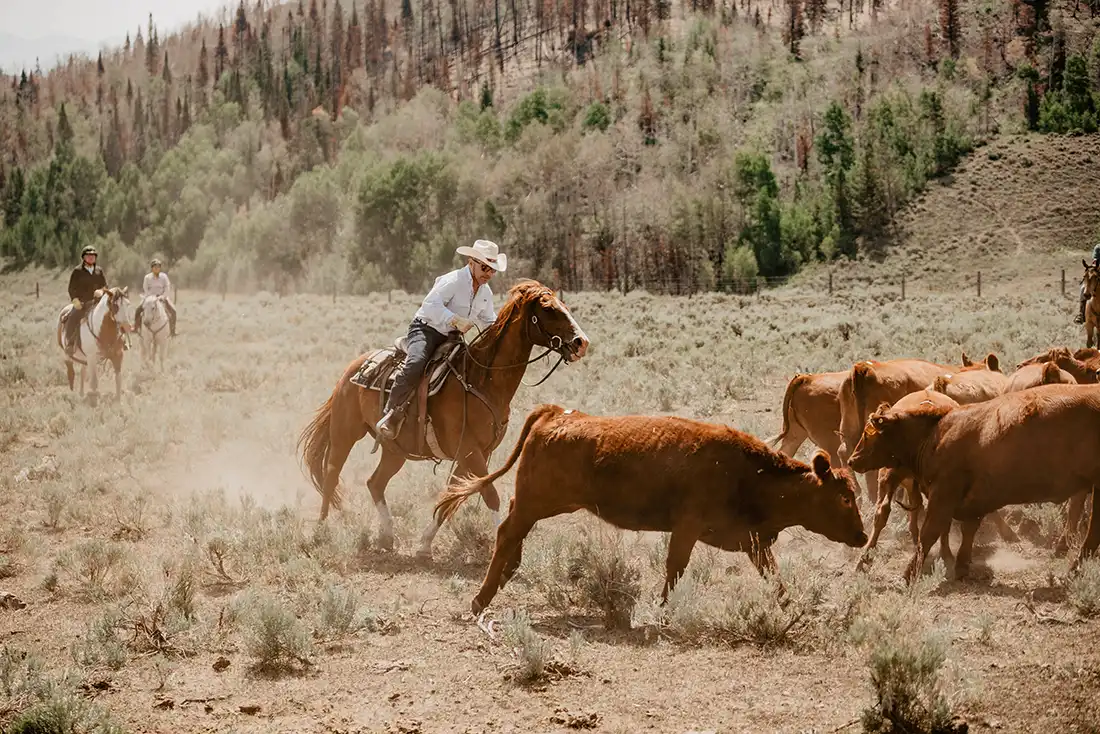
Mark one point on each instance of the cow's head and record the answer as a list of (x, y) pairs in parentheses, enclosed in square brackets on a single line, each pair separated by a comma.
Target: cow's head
[(873, 450), (834, 510)]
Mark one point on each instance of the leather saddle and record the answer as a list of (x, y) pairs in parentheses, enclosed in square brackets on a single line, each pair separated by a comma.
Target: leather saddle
[(379, 371)]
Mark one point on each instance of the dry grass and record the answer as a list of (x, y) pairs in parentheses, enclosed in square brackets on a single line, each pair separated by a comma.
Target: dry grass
[(171, 544)]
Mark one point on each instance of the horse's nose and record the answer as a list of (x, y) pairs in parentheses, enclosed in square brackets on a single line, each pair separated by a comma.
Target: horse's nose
[(580, 345)]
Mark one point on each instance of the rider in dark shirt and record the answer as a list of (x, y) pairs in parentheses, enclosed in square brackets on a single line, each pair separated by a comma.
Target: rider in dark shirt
[(86, 279)]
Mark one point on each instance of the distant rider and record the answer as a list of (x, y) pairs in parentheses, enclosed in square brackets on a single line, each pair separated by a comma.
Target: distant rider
[(156, 283), (1095, 262), (86, 284), (459, 300)]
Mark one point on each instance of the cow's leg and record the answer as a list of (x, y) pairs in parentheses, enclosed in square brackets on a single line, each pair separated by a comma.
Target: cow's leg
[(793, 440), (937, 522), (1074, 510), (1092, 539), (882, 512), (473, 464), (680, 543), (510, 537), (511, 565), (390, 463), (1007, 534), (916, 505), (966, 547), (871, 480)]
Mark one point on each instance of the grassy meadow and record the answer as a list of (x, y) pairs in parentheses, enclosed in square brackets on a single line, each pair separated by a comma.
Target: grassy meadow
[(166, 571)]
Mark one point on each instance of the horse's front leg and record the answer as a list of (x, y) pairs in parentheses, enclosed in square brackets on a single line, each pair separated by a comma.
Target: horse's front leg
[(472, 464)]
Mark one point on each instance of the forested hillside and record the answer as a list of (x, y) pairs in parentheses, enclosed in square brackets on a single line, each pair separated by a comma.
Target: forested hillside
[(670, 146)]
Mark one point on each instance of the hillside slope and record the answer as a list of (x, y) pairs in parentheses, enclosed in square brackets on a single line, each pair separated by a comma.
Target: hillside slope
[(1018, 210)]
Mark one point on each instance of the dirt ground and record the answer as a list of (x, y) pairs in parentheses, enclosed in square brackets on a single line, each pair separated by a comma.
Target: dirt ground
[(147, 536)]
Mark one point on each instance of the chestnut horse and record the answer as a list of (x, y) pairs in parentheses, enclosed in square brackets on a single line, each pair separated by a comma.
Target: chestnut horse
[(467, 429)]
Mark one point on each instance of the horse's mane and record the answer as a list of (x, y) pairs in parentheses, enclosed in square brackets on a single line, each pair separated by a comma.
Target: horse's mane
[(519, 295)]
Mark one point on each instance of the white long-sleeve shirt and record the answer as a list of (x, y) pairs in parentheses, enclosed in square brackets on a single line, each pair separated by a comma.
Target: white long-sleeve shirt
[(453, 294), (156, 286)]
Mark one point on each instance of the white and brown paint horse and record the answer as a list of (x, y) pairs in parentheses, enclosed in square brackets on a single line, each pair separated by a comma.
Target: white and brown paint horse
[(154, 330), (102, 339)]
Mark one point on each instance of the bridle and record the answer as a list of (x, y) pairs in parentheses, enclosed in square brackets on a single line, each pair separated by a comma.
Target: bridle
[(557, 344)]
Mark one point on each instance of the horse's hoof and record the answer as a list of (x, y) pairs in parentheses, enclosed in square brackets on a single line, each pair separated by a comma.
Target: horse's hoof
[(476, 607), (385, 542)]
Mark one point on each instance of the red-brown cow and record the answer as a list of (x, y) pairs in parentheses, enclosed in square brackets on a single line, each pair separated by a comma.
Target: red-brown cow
[(1082, 364), (698, 481), (872, 383), (1034, 375), (1037, 445), (891, 478), (811, 410)]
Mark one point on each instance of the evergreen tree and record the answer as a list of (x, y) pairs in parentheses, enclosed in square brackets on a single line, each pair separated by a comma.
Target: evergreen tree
[(64, 129), (221, 55), (949, 26), (167, 75), (203, 75), (794, 28)]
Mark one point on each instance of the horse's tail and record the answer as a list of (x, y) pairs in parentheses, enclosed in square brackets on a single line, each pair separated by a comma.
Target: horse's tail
[(792, 387), (314, 445), (463, 489)]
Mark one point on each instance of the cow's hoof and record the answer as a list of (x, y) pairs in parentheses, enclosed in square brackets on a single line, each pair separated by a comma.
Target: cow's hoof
[(385, 542)]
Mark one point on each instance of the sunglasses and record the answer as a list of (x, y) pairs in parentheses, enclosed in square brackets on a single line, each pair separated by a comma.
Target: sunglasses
[(486, 268)]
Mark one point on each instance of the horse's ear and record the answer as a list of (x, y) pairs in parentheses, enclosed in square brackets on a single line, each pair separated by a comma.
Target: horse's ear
[(1084, 263)]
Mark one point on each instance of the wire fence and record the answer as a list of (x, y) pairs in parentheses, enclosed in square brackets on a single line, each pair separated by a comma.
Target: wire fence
[(819, 284)]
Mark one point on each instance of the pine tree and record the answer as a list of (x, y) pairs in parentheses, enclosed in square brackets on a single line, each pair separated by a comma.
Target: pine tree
[(203, 76), (336, 57), (794, 28), (949, 26), (353, 58), (129, 91), (64, 129), (167, 75), (113, 154), (99, 65), (647, 118), (126, 45), (12, 202), (221, 55), (151, 51)]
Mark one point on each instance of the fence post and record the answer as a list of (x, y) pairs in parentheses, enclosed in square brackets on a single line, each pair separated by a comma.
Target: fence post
[(979, 284), (334, 291), (1063, 282), (830, 284), (903, 287), (38, 293)]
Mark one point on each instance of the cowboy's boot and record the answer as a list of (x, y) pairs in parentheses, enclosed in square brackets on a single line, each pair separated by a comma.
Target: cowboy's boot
[(387, 426)]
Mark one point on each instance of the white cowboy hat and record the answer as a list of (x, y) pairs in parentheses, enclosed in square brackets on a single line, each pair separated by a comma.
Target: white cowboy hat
[(486, 252)]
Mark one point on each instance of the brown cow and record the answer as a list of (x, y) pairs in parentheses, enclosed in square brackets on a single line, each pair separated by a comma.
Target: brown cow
[(871, 383), (1082, 364), (698, 481), (1034, 375), (972, 385), (891, 478), (811, 409), (1037, 445)]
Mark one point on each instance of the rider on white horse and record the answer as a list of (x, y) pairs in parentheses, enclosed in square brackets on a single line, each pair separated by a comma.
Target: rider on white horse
[(156, 283), (459, 300), (87, 280)]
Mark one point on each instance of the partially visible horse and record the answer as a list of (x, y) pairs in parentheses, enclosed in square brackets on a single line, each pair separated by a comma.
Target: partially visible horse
[(468, 412), (154, 331), (1091, 279), (102, 338)]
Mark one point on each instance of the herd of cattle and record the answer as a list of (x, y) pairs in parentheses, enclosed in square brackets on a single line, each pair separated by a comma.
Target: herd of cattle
[(969, 438)]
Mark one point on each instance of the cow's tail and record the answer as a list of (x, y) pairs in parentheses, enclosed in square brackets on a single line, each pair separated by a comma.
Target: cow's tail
[(463, 489), (861, 375), (796, 382)]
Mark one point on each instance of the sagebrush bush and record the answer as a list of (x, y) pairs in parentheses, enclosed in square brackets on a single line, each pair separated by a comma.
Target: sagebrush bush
[(1083, 588), (275, 637), (606, 576), (533, 652)]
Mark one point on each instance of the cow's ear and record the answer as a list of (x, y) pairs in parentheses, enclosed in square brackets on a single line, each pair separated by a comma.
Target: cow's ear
[(822, 465), (967, 361), (881, 409), (992, 362)]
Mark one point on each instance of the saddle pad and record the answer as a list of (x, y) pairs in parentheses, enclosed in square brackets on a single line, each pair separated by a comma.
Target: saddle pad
[(379, 371)]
